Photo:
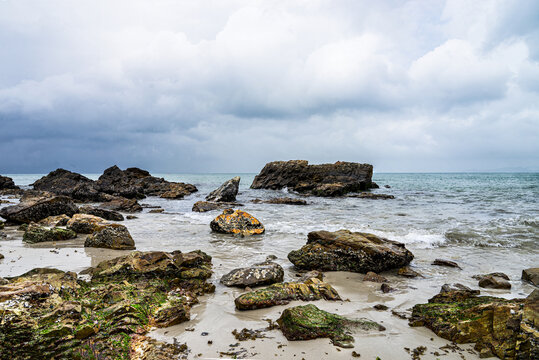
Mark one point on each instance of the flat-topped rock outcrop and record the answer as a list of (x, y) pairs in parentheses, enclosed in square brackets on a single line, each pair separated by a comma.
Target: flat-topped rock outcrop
[(321, 180)]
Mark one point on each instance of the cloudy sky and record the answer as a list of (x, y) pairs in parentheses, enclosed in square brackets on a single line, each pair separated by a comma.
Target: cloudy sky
[(228, 85)]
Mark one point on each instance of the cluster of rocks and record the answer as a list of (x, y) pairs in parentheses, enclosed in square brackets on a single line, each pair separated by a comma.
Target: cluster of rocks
[(51, 314)]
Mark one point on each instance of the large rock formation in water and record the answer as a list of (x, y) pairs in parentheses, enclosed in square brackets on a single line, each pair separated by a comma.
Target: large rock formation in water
[(321, 180), (344, 250), (7, 183), (226, 192), (132, 183)]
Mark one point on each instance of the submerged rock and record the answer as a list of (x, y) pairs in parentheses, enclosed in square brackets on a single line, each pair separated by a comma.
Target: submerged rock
[(285, 201), (111, 236), (7, 183), (237, 222), (102, 213), (320, 180), (493, 281), (67, 183), (122, 204), (226, 192), (344, 250), (372, 196), (448, 263), (36, 209), (309, 322), (36, 233), (53, 221), (531, 275), (264, 273), (52, 315), (407, 272), (283, 293), (506, 328), (86, 224)]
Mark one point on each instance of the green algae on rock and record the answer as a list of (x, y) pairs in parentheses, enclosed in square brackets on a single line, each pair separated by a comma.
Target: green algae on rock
[(505, 328), (36, 233), (344, 250), (283, 293), (309, 322), (49, 313)]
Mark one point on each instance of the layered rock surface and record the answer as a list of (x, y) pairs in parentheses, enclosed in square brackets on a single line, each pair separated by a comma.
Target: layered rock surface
[(50, 314), (344, 250), (321, 180)]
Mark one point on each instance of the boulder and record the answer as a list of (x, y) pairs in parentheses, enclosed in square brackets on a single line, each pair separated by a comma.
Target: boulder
[(344, 250), (283, 293), (204, 206), (493, 281), (36, 209), (236, 222), (135, 183), (102, 213), (531, 275), (448, 263), (374, 277), (372, 196), (86, 224), (264, 273), (226, 192), (67, 183), (36, 233), (320, 180), (407, 272), (1, 257), (309, 322), (111, 236), (284, 201), (7, 183), (122, 204), (54, 221), (506, 328)]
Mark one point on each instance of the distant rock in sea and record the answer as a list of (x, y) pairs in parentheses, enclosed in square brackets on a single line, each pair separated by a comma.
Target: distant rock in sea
[(226, 192), (320, 180), (7, 183)]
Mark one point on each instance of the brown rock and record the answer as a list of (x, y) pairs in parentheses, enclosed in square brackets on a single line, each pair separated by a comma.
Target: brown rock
[(111, 236), (54, 221), (67, 183), (374, 277), (493, 281), (122, 204), (102, 213), (448, 263), (531, 275), (86, 224), (372, 196), (284, 200), (36, 209), (407, 272)]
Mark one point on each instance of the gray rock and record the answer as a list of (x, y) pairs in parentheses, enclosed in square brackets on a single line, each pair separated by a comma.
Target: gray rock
[(531, 275), (264, 273), (102, 213), (36, 209), (7, 183), (226, 192), (112, 236)]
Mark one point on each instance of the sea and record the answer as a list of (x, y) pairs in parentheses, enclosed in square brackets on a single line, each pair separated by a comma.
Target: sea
[(486, 222)]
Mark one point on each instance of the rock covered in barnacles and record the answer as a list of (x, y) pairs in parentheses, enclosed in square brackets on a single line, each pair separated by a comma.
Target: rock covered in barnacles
[(344, 250), (264, 273), (237, 222)]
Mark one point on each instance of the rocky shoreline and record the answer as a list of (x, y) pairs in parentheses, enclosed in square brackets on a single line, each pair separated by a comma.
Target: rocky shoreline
[(108, 310)]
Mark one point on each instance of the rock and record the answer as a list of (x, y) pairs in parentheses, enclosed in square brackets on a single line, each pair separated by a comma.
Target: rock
[(283, 293), (36, 233), (311, 274), (442, 262), (131, 217), (102, 213), (156, 211), (374, 277), (178, 191), (372, 196), (387, 186), (309, 322), (7, 183), (344, 250), (135, 183), (264, 273), (385, 288), (1, 279), (48, 314), (226, 192), (236, 222), (407, 272), (320, 180), (493, 281), (284, 200), (505, 327), (204, 206), (37, 209), (2, 225), (111, 236), (531, 275), (86, 224), (380, 307), (122, 204), (54, 221), (458, 287), (67, 183)]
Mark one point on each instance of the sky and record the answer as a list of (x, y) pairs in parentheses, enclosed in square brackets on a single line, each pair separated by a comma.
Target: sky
[(228, 85)]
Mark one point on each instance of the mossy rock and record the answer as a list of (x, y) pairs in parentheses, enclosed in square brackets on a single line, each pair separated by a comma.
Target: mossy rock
[(309, 322), (36, 233)]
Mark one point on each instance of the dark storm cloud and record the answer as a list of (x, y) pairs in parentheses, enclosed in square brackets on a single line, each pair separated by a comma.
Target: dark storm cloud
[(228, 86)]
